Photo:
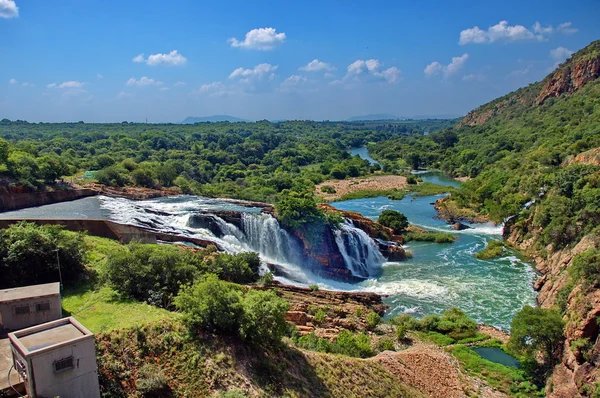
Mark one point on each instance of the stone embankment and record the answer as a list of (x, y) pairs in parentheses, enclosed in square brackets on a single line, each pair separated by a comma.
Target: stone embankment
[(15, 198)]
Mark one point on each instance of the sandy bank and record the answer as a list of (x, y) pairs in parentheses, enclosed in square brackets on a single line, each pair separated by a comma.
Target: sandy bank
[(350, 185)]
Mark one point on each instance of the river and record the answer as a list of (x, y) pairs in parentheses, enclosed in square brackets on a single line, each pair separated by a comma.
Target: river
[(437, 277)]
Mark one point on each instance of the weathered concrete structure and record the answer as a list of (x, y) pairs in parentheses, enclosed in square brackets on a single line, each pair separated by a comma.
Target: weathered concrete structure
[(26, 306), (56, 359)]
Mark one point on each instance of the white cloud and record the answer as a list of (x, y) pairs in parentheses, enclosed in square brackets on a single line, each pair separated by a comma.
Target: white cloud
[(172, 59), (315, 66), (503, 32), (8, 9), (560, 53), (293, 83), (435, 68), (13, 81), (258, 72), (69, 84), (566, 28), (144, 81), (163, 89), (123, 95), (216, 89), (473, 77), (329, 76), (99, 76), (370, 68), (180, 84), (26, 84), (139, 58), (259, 39)]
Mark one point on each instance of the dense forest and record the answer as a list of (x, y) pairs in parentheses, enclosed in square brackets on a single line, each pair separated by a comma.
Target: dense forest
[(252, 161)]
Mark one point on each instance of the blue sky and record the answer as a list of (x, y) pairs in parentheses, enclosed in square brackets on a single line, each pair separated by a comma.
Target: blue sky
[(111, 61)]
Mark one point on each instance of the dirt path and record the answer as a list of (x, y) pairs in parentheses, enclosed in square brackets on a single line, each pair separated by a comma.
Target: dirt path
[(350, 185)]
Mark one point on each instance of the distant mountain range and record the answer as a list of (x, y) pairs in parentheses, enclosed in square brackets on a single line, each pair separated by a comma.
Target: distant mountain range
[(213, 118), (388, 116)]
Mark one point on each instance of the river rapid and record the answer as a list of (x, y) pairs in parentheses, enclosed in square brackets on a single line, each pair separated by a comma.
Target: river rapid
[(437, 277)]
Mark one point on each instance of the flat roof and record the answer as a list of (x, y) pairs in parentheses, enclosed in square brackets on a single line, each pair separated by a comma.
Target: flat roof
[(48, 336), (55, 335), (25, 292)]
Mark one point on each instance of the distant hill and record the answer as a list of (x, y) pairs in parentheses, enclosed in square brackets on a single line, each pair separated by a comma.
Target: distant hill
[(387, 116), (375, 116), (213, 118)]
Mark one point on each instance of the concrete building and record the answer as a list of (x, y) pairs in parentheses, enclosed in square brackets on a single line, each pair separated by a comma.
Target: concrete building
[(57, 358), (26, 306)]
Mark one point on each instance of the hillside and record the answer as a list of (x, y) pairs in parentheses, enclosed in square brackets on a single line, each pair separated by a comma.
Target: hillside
[(533, 159), (213, 119)]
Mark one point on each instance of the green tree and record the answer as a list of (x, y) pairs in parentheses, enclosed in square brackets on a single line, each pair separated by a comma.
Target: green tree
[(212, 305), (537, 330), (264, 317), (394, 220), (295, 209)]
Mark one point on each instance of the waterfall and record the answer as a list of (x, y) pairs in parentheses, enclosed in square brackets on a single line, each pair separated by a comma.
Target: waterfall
[(263, 234), (361, 254)]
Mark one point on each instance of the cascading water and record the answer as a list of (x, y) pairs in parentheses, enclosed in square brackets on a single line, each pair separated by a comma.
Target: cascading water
[(361, 254)]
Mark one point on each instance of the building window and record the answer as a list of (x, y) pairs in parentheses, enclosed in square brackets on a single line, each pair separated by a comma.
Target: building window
[(41, 307), (63, 364), (22, 310)]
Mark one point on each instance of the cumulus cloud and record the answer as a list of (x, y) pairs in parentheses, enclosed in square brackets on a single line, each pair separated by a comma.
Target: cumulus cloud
[(8, 9), (171, 59), (123, 95), (99, 76), (179, 84), (474, 77), (26, 84), (560, 53), (215, 89), (144, 81), (139, 58), (296, 83), (13, 81), (69, 84), (258, 72), (259, 39), (370, 69), (315, 66), (435, 68), (503, 32)]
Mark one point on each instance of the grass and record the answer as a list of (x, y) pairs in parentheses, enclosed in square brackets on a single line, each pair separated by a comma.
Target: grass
[(427, 236), (429, 189), (509, 380), (393, 194), (103, 309), (494, 248)]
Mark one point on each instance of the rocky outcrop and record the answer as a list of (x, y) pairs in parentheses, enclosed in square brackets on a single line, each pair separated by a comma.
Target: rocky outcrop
[(448, 210), (591, 157), (569, 78), (15, 197), (577, 367)]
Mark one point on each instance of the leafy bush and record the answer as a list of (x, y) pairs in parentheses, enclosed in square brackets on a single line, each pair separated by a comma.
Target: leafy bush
[(263, 320), (319, 316), (346, 343), (295, 209), (31, 254), (394, 220), (456, 324), (373, 319), (426, 236), (314, 287), (386, 344), (328, 189), (536, 330), (238, 268), (114, 176), (586, 267), (151, 382), (212, 305)]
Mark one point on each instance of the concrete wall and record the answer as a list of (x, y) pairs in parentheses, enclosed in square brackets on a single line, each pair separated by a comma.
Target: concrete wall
[(9, 321), (14, 201), (81, 381)]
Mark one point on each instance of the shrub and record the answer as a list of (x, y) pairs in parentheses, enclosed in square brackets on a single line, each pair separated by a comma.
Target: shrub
[(319, 316), (30, 255), (151, 382), (400, 332), (586, 267), (113, 176), (394, 220), (295, 209), (373, 319), (456, 324), (328, 189), (263, 320), (386, 344), (314, 287), (494, 248), (406, 321), (212, 305), (536, 330), (238, 268), (358, 345)]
